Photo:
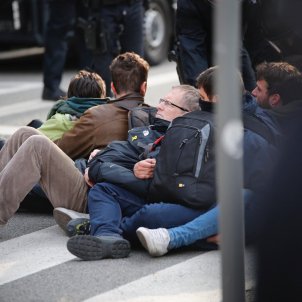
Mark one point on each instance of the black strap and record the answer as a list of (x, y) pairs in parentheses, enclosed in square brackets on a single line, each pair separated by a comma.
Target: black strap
[(128, 105), (256, 125)]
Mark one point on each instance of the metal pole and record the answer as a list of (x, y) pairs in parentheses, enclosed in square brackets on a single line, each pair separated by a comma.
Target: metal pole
[(229, 149)]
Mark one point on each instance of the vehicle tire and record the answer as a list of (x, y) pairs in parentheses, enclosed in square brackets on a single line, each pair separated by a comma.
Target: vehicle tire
[(158, 29)]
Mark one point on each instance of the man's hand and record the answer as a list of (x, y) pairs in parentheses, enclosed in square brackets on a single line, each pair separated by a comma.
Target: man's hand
[(144, 169), (93, 154), (86, 177)]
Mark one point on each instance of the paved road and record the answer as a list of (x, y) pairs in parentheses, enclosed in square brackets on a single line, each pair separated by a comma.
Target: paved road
[(34, 262)]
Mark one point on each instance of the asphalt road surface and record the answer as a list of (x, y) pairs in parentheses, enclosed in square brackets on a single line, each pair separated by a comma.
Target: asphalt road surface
[(34, 262)]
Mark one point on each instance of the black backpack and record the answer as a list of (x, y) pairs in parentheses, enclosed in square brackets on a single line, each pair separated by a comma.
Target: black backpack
[(185, 165), (140, 115)]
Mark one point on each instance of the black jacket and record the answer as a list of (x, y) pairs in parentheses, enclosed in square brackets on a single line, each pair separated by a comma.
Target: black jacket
[(115, 163)]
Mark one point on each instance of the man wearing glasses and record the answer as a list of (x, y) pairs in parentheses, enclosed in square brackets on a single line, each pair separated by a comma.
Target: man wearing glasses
[(109, 202)]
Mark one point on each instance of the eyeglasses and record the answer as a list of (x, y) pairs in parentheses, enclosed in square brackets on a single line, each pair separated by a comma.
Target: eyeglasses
[(168, 103)]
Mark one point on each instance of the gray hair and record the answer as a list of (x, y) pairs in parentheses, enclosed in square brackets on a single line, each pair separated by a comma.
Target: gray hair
[(190, 97)]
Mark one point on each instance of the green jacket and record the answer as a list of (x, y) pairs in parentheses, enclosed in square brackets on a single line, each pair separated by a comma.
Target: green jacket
[(64, 113)]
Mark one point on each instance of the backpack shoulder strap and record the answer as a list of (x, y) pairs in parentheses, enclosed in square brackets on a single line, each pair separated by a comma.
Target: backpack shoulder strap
[(256, 125), (142, 115), (128, 105)]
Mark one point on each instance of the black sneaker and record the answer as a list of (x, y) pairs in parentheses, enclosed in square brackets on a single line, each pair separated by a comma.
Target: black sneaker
[(89, 247), (53, 95), (78, 226)]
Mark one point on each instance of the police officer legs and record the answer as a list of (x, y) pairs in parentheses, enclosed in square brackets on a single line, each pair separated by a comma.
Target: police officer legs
[(122, 22)]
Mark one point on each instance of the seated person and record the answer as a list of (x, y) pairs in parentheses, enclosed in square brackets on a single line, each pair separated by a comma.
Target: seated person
[(109, 201), (100, 124), (86, 89)]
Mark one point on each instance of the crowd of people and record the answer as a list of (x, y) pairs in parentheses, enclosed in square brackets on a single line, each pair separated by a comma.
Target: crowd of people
[(94, 159), (97, 171)]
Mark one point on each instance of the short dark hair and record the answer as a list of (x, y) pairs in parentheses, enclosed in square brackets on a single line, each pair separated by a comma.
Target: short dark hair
[(274, 73), (290, 89), (86, 84), (128, 72), (206, 80)]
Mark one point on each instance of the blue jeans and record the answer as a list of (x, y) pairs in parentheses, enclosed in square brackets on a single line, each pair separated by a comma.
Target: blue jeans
[(200, 228), (115, 211)]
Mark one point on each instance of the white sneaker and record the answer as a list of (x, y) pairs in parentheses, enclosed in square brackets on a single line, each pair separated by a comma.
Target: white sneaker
[(154, 241), (62, 216)]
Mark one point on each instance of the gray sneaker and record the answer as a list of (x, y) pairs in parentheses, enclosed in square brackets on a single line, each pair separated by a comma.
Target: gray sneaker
[(154, 241), (89, 247), (62, 216)]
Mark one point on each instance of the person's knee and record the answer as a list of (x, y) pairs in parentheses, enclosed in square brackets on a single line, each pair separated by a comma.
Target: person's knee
[(25, 132), (100, 189), (40, 143)]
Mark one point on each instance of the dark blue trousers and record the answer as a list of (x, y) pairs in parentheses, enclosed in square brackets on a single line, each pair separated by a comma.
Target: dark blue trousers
[(115, 211)]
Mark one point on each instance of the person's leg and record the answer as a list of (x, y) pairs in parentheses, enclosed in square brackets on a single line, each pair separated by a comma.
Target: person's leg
[(102, 58), (61, 22), (155, 215), (14, 142), (193, 31), (201, 227), (159, 241), (151, 225), (132, 35), (107, 203), (38, 159)]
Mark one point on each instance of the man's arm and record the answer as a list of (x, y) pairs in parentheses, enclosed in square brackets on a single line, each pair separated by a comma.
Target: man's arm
[(121, 176)]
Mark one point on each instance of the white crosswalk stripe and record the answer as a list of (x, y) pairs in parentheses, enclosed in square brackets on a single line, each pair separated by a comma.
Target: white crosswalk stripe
[(29, 254), (13, 87), (24, 107)]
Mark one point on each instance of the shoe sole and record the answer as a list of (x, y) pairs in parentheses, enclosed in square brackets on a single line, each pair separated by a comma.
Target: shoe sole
[(89, 247), (61, 219)]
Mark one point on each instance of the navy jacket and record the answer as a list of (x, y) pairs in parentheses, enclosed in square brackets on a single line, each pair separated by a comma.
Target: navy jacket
[(115, 163)]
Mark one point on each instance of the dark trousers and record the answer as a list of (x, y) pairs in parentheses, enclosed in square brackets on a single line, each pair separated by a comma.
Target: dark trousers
[(194, 32), (60, 27), (115, 211), (123, 27)]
